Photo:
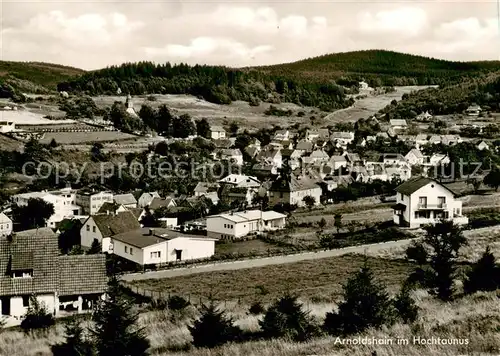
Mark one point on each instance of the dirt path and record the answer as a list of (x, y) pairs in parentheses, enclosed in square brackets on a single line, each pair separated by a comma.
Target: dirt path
[(261, 262)]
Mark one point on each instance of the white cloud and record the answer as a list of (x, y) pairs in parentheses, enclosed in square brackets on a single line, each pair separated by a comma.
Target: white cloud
[(93, 36), (207, 46), (405, 21)]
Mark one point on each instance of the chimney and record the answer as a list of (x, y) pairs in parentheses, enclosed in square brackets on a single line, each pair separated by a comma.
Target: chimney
[(107, 212), (151, 232)]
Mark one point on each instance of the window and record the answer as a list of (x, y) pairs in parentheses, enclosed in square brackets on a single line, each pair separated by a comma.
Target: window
[(441, 201), (26, 300), (88, 227), (1, 227), (131, 251), (225, 226), (126, 249), (155, 254), (422, 201), (93, 228), (401, 196)]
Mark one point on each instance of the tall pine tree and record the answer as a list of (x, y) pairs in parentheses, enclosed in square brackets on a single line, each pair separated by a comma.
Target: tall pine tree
[(116, 331)]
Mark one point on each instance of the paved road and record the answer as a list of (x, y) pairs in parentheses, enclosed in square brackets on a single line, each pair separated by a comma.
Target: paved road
[(261, 262)]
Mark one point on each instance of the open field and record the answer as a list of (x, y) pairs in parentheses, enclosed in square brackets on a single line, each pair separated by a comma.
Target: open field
[(477, 241), (316, 279), (366, 107), (25, 117), (68, 138)]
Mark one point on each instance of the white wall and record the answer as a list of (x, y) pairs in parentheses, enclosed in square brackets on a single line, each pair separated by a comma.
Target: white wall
[(87, 237), (298, 197), (192, 248), (431, 191), (17, 308), (216, 228)]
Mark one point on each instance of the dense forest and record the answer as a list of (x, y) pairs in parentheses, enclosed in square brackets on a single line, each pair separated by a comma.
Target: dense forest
[(380, 68), (483, 90), (213, 83)]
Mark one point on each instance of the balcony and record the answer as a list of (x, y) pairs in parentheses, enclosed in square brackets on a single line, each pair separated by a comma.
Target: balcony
[(431, 206)]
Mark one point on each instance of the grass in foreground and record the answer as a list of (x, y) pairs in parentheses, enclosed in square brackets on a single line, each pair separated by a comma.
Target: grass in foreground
[(476, 318)]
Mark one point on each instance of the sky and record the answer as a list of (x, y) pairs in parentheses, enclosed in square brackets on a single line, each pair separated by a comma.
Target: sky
[(95, 34)]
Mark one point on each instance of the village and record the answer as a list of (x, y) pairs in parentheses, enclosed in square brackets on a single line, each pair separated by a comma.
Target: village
[(300, 173)]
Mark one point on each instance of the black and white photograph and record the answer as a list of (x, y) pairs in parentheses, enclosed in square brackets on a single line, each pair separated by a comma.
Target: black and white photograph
[(249, 178)]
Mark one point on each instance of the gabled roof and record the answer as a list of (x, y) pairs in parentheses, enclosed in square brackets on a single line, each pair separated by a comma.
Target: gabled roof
[(217, 129), (295, 184), (416, 153), (108, 207), (204, 187), (304, 145), (38, 250), (82, 274), (412, 185), (124, 199), (157, 203), (113, 224)]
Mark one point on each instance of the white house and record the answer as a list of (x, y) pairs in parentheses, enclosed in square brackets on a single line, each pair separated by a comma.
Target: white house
[(62, 200), (127, 200), (217, 132), (483, 146), (424, 116), (233, 155), (158, 246), (91, 201), (314, 134), (102, 226), (5, 225), (130, 107), (248, 183), (473, 110), (422, 201), (342, 139), (146, 198), (7, 126), (281, 135), (293, 191), (415, 157), (236, 225), (336, 162), (31, 264), (398, 124)]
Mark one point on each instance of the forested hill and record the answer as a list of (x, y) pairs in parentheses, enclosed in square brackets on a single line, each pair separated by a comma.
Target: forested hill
[(35, 77), (215, 84), (483, 90), (380, 67)]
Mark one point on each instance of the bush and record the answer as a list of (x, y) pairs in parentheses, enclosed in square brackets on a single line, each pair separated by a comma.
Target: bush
[(213, 328), (366, 304), (176, 302), (37, 316), (285, 318), (256, 309)]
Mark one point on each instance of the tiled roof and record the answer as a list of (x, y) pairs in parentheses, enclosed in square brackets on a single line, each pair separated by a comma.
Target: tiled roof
[(136, 212), (108, 207), (114, 224), (82, 274), (295, 184), (412, 185), (38, 250), (157, 203), (125, 199)]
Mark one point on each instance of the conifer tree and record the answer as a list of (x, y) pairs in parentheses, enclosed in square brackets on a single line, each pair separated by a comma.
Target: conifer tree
[(116, 331), (213, 328), (405, 305), (286, 318), (75, 344), (484, 275), (366, 304)]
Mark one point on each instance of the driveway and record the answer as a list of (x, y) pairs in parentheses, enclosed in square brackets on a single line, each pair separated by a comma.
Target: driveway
[(261, 262)]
